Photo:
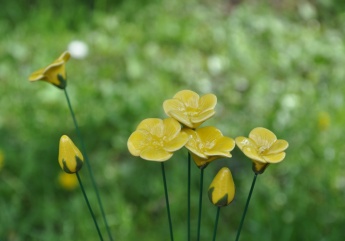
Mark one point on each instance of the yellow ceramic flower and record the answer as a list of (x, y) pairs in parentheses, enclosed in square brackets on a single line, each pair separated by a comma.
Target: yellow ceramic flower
[(207, 144), (67, 181), (222, 189), (156, 139), (70, 158), (190, 109), (263, 148), (54, 73)]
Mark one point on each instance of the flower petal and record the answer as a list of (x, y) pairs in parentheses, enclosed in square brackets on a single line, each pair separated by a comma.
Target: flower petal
[(173, 105), (278, 146), (193, 143), (148, 123), (171, 128), (209, 134), (37, 75), (181, 117), (177, 143), (263, 137), (207, 102), (203, 116), (275, 158), (223, 147), (188, 97), (242, 141), (154, 154), (252, 153), (138, 141)]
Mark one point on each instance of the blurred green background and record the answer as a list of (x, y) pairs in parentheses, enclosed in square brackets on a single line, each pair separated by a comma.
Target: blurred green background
[(278, 64)]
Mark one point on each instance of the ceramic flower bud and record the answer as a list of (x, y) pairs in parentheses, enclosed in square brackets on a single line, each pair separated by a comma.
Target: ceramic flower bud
[(70, 158), (263, 148), (55, 73), (157, 139), (207, 144), (190, 109), (222, 189)]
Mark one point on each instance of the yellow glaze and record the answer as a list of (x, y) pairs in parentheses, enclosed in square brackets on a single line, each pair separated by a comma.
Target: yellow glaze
[(70, 158), (207, 144), (263, 148), (156, 139), (54, 73), (190, 109), (222, 189)]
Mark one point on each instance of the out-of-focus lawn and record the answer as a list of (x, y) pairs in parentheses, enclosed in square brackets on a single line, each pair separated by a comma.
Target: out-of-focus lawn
[(270, 68)]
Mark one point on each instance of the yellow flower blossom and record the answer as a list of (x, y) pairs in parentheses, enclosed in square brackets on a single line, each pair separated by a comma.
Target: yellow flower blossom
[(207, 144), (70, 158), (54, 73), (222, 189), (67, 181), (263, 148), (190, 109), (156, 139)]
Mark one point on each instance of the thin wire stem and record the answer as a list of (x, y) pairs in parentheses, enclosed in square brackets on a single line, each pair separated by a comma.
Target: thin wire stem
[(246, 207), (88, 205), (200, 200), (88, 164), (167, 201), (188, 200), (216, 224)]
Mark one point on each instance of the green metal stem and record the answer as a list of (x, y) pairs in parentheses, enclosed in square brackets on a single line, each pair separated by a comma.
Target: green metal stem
[(246, 207), (200, 200), (88, 205), (216, 224), (167, 202), (88, 164), (188, 200)]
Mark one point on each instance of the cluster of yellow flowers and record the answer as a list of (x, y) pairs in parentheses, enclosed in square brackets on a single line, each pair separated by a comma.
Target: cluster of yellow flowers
[(156, 140)]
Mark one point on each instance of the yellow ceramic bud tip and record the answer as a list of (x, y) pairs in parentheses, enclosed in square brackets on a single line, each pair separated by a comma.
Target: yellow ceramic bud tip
[(222, 189), (70, 158)]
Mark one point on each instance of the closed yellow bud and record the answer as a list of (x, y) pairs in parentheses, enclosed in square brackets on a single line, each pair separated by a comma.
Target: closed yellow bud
[(70, 158), (222, 189)]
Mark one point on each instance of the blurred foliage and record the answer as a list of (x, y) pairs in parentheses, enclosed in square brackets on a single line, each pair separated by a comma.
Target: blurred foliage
[(279, 69)]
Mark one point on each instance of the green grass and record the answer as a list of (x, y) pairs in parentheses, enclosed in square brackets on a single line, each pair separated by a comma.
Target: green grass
[(281, 71)]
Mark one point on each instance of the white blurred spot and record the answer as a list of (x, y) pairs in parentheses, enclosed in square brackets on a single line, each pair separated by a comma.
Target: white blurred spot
[(78, 49)]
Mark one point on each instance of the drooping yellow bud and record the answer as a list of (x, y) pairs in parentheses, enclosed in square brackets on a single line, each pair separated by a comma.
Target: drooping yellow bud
[(222, 189), (70, 158)]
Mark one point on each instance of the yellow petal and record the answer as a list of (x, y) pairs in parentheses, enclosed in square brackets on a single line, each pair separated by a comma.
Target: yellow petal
[(137, 141), (197, 120), (177, 143), (171, 128), (278, 146), (194, 143), (242, 141), (70, 158), (253, 154), (154, 154), (274, 158), (209, 135), (207, 102), (225, 144), (148, 123), (263, 137), (222, 189), (181, 117), (173, 105), (67, 181), (37, 75), (188, 97)]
